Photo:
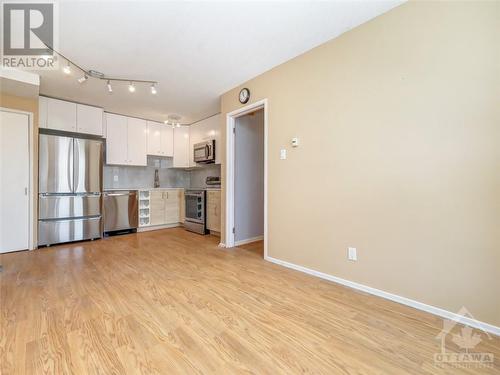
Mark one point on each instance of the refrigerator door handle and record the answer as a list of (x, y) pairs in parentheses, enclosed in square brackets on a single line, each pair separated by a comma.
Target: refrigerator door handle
[(70, 167), (76, 165)]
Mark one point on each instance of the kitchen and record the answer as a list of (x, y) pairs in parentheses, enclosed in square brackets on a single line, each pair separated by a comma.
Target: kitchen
[(158, 176)]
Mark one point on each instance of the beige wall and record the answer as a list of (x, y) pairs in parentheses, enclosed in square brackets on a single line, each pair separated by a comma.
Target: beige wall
[(399, 124), (27, 105)]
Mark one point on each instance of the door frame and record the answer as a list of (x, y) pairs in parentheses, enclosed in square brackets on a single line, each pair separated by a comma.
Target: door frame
[(230, 172), (31, 187)]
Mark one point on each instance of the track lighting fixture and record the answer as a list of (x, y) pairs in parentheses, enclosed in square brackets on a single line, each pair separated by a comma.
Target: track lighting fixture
[(67, 69), (90, 73)]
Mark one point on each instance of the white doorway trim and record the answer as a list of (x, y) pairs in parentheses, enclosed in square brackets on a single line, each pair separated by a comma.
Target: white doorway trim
[(31, 188), (230, 162)]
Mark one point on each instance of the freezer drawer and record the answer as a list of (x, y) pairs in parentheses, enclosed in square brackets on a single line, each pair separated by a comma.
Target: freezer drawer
[(56, 231), (67, 206)]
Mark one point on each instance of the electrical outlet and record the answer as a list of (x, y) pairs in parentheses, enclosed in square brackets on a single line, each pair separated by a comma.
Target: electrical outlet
[(115, 178), (352, 254)]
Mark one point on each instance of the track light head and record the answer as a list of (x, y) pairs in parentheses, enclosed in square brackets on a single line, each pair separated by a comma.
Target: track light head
[(110, 89), (67, 69), (131, 87), (153, 89), (83, 79)]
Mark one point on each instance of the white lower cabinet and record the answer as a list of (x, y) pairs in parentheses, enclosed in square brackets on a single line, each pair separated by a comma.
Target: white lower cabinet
[(159, 207)]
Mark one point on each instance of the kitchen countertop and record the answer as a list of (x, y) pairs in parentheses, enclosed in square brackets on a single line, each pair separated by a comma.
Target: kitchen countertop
[(143, 188), (164, 188)]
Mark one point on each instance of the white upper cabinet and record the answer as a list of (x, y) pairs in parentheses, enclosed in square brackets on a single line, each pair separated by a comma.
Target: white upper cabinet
[(205, 130), (154, 138), (160, 139), (42, 111), (126, 140), (71, 117), (89, 119), (137, 141), (181, 147), (61, 115), (167, 140), (116, 139)]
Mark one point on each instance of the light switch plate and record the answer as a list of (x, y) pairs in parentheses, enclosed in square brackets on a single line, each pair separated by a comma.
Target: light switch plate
[(115, 178), (352, 253), (283, 154)]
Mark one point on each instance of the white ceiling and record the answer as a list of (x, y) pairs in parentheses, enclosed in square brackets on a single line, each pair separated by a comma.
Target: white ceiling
[(196, 50)]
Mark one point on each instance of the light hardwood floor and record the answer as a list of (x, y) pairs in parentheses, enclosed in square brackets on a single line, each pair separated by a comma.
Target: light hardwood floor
[(172, 302)]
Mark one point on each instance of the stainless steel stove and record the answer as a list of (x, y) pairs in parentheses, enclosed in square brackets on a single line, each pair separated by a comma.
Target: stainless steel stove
[(195, 211)]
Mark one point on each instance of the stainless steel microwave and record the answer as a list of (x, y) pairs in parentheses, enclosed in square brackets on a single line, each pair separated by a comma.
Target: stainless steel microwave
[(204, 152)]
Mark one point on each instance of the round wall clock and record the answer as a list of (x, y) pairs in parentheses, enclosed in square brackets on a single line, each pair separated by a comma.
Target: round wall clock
[(244, 95)]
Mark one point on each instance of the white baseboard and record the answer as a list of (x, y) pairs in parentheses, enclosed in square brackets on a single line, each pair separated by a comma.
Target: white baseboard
[(393, 297), (248, 240), (157, 227)]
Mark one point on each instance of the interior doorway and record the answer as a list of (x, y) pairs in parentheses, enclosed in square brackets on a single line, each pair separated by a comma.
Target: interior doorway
[(16, 209), (246, 176)]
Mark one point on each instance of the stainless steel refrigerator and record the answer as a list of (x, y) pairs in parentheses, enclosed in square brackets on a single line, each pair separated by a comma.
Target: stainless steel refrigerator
[(69, 187)]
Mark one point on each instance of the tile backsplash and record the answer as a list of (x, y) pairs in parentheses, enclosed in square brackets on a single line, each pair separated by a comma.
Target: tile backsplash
[(199, 175), (129, 177)]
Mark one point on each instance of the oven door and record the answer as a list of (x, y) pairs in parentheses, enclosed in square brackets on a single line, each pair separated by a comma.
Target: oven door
[(195, 210)]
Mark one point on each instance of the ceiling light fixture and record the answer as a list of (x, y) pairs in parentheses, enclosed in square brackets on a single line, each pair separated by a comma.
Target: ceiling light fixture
[(67, 69), (90, 73)]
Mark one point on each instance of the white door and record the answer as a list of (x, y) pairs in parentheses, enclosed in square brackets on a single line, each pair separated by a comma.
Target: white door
[(167, 140), (116, 139), (181, 147), (137, 141), (89, 119), (14, 181), (154, 138), (61, 115)]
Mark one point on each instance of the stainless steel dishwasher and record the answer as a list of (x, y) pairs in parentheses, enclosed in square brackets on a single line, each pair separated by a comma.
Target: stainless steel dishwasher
[(120, 210)]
